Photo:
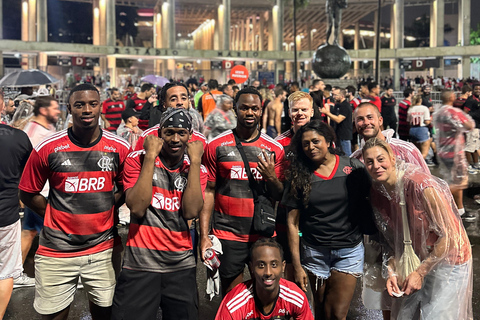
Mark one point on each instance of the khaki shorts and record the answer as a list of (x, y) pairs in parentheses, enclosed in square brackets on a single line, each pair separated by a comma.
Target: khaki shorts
[(56, 280), (10, 251), (472, 141)]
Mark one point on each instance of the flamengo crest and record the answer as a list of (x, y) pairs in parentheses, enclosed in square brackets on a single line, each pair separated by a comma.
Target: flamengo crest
[(105, 163)]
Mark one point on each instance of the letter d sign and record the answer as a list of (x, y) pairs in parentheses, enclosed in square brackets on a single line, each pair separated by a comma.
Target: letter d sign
[(78, 61)]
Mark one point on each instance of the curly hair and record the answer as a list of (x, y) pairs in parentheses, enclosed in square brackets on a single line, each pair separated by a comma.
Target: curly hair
[(248, 90), (302, 167)]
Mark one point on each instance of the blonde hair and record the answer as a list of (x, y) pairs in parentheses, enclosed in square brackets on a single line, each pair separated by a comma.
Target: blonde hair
[(297, 96), (376, 142), (417, 100), (266, 94)]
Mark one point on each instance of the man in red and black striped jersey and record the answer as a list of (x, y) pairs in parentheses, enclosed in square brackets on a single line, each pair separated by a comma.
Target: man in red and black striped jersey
[(228, 195), (130, 93), (267, 295), (460, 102), (112, 109), (143, 101), (175, 95), (403, 106), (163, 190), (83, 165)]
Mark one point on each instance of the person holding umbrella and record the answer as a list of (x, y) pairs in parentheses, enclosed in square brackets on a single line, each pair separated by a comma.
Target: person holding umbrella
[(427, 254)]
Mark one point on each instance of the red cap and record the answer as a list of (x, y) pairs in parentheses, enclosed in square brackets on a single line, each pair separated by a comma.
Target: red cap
[(272, 86)]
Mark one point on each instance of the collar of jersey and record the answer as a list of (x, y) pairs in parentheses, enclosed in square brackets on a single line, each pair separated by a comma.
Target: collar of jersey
[(76, 142), (245, 141)]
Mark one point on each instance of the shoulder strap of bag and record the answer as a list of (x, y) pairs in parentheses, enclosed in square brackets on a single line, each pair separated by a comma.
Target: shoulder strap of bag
[(406, 230), (213, 97), (251, 180)]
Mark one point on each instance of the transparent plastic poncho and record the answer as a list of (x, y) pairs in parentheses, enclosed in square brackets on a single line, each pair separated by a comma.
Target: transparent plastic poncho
[(438, 239), (22, 115), (450, 131)]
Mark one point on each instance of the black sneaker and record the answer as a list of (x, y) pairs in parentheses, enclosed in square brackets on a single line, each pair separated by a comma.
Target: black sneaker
[(469, 216), (430, 163)]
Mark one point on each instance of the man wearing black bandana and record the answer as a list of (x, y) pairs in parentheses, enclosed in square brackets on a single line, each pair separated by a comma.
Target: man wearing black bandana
[(164, 189)]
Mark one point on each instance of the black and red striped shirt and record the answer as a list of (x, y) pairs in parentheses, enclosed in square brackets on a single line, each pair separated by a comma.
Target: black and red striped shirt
[(233, 213), (79, 218), (460, 103), (375, 100), (355, 103), (403, 125), (138, 106), (113, 113), (160, 241), (130, 95)]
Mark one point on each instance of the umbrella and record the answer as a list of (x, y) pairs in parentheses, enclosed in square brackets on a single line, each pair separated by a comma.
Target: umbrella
[(27, 78), (157, 80), (409, 261)]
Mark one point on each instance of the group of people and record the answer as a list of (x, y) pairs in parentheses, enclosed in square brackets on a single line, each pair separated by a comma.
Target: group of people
[(320, 204)]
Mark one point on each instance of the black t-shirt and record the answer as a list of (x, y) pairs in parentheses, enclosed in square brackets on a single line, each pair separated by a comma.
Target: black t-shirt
[(336, 207), (344, 129), (426, 101), (473, 106), (17, 148), (388, 107)]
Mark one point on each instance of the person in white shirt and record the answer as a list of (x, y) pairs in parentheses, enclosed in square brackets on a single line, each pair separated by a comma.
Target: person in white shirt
[(42, 125), (418, 116)]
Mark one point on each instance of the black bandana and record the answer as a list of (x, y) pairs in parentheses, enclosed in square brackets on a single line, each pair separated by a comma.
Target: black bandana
[(177, 119)]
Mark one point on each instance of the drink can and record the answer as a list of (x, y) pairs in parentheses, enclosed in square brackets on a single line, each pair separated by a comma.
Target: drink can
[(212, 259)]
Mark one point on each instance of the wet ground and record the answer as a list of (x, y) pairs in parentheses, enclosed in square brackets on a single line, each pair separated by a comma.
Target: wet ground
[(21, 304)]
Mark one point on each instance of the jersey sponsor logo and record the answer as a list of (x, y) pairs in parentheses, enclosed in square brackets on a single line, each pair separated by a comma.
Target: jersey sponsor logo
[(226, 143), (64, 147), (250, 314), (110, 148), (231, 154), (347, 169), (75, 184), (159, 201), (239, 173), (66, 163), (266, 147), (105, 163), (180, 183)]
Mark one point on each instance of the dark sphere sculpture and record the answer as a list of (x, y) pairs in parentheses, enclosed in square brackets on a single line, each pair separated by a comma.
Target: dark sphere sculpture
[(331, 61)]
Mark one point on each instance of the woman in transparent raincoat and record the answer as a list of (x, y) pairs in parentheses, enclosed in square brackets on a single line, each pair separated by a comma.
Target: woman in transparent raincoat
[(427, 256)]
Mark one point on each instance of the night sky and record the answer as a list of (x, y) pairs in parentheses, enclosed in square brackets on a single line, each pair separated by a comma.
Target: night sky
[(80, 26)]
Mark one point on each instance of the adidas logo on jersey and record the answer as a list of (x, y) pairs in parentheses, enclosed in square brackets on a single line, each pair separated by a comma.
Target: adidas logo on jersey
[(66, 163), (231, 154)]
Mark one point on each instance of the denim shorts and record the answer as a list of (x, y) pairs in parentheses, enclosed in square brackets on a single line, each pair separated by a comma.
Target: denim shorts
[(419, 134), (321, 260), (31, 220)]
